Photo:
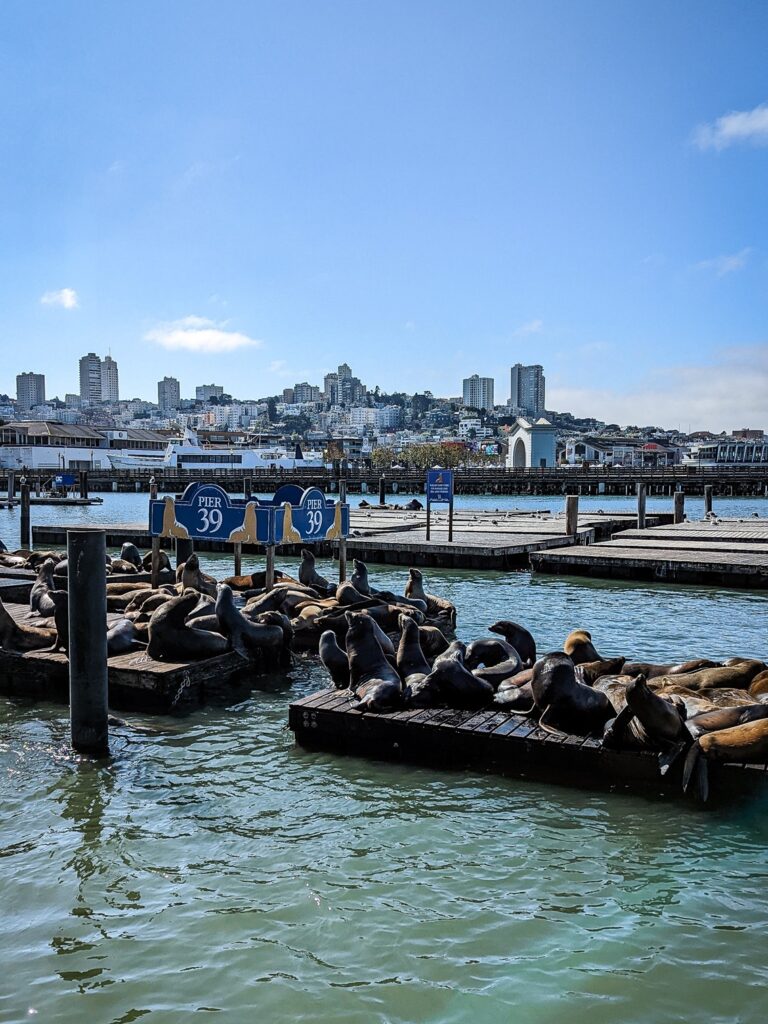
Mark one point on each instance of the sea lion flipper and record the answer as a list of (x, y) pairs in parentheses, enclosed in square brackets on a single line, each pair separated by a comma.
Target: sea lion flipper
[(615, 727), (696, 769), (668, 757)]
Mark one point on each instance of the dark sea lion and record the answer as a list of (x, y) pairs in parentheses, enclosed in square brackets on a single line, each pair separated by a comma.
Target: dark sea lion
[(564, 702), (438, 607), (385, 642), (375, 684), (414, 505), (206, 605), (246, 635), (334, 659), (147, 600), (432, 640), (498, 674), (747, 743), (121, 638), (279, 620), (120, 567), (519, 637), (359, 578), (579, 647), (170, 639), (457, 686), (15, 636), (647, 721), (130, 553), (164, 562), (588, 672), (39, 599), (410, 657), (515, 696), (347, 594), (193, 577), (308, 574), (489, 652), (60, 599)]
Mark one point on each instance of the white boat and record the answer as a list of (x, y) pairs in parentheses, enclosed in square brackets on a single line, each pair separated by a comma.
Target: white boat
[(189, 454)]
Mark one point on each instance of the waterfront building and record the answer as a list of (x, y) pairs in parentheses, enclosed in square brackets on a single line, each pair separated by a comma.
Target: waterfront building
[(205, 392), (478, 392), (728, 452), (620, 451), (532, 444), (30, 390), (168, 394), (90, 379), (527, 386)]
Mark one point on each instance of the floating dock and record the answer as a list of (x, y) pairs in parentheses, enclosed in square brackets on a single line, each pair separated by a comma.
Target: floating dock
[(492, 740), (723, 552)]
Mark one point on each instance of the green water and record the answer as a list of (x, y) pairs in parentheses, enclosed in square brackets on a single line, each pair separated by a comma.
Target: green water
[(211, 865)]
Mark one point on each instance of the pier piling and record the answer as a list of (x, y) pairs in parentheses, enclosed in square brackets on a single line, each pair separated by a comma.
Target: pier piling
[(25, 538), (342, 540), (382, 489), (641, 493), (269, 575), (679, 507), (184, 548), (708, 491), (86, 554), (571, 514)]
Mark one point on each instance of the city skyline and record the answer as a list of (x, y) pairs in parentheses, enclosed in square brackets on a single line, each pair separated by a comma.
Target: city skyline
[(518, 211)]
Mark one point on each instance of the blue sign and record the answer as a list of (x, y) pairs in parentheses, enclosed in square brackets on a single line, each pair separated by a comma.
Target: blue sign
[(206, 512), (65, 479), (440, 486), (311, 518)]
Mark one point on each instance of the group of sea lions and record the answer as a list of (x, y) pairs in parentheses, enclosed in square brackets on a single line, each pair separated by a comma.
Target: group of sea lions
[(128, 562), (699, 710)]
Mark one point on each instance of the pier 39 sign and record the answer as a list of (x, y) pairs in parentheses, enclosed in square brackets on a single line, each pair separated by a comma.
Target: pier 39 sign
[(207, 512)]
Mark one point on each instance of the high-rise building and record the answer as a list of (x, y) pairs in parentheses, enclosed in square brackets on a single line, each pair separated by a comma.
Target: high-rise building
[(344, 372), (30, 390), (526, 396), (90, 379), (331, 388), (110, 391), (306, 392), (478, 392), (205, 392), (168, 394), (288, 396)]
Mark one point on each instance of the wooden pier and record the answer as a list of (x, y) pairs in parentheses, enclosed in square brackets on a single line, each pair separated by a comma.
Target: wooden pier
[(492, 740), (721, 552)]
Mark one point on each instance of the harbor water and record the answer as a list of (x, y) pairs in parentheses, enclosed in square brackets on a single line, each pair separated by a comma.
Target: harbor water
[(212, 866)]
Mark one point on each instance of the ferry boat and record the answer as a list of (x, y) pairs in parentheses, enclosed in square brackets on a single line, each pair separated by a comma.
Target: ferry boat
[(188, 453)]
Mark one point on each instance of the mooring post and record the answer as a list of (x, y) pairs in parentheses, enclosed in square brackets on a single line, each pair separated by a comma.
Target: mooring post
[(38, 486), (342, 540), (269, 576), (87, 555), (679, 498), (382, 489), (708, 491), (238, 558), (641, 492), (155, 567), (184, 548), (83, 483), (11, 486), (247, 487), (24, 538), (152, 489), (571, 514)]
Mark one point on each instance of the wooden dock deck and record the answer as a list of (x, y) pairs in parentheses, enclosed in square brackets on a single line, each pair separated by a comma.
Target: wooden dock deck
[(728, 553), (492, 740)]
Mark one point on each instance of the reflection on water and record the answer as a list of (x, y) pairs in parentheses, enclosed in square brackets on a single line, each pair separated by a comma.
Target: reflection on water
[(212, 865)]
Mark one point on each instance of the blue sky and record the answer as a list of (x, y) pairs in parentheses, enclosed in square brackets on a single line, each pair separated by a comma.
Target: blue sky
[(250, 193)]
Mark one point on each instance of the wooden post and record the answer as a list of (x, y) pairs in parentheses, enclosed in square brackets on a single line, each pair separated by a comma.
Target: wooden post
[(11, 486), (641, 491), (184, 549), (342, 540), (152, 489), (247, 487), (155, 562), (87, 554), (679, 499), (450, 518), (238, 558), (25, 533), (83, 483), (571, 514), (429, 515), (38, 486), (269, 576), (382, 489), (708, 491)]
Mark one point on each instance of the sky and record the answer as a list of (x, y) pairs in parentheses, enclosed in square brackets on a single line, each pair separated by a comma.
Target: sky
[(249, 194)]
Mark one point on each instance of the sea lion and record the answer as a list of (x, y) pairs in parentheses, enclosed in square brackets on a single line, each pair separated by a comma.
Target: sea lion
[(410, 657), (193, 577), (359, 578), (122, 567), (245, 634), (515, 693), (164, 562), (519, 637), (375, 684), (488, 653), (414, 505), (725, 718), (737, 676), (435, 606), (170, 639), (60, 599), (39, 597), (499, 673), (14, 636), (564, 702), (579, 647), (759, 684), (127, 588), (121, 638), (308, 574), (334, 659), (457, 686), (646, 721), (652, 670), (432, 640), (588, 672), (347, 594), (747, 743), (130, 553)]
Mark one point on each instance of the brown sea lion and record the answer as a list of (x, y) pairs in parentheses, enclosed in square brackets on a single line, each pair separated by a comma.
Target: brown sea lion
[(170, 639), (15, 636), (644, 720), (432, 640), (579, 647), (120, 567), (436, 607), (192, 576), (652, 670), (747, 743), (588, 672), (738, 676), (725, 718), (39, 599), (359, 578), (759, 684), (565, 703)]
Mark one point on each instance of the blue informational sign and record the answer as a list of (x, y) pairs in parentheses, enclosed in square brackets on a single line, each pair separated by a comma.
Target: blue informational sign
[(65, 479), (311, 518), (206, 512), (440, 486)]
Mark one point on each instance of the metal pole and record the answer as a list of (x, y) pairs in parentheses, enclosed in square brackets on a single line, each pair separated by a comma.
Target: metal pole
[(24, 539), (641, 491), (382, 490), (87, 554), (184, 548), (11, 486), (342, 540), (571, 514), (708, 491), (450, 519), (269, 576), (679, 500)]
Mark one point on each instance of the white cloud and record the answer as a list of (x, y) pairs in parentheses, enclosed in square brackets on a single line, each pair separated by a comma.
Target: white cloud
[(65, 297), (750, 126), (532, 327), (196, 334), (725, 395), (727, 264)]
